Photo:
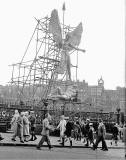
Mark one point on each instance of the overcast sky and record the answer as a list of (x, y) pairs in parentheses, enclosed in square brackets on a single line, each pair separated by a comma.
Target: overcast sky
[(103, 35)]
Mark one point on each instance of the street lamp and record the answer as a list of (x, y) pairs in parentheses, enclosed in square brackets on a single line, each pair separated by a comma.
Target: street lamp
[(63, 109), (45, 102), (101, 110), (54, 107), (118, 114)]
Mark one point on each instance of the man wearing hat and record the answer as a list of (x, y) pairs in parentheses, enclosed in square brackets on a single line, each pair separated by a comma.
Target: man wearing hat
[(87, 127), (101, 136), (45, 132), (69, 128)]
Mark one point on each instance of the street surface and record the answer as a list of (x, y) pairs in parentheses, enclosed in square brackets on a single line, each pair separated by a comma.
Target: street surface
[(30, 153)]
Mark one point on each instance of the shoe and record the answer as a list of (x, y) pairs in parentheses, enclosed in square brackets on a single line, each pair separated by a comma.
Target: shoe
[(13, 139), (101, 149), (26, 140), (105, 149), (62, 143), (86, 145), (38, 148), (1, 138), (58, 140), (21, 141), (50, 147)]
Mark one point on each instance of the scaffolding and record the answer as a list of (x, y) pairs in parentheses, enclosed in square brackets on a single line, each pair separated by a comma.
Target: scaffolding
[(36, 75)]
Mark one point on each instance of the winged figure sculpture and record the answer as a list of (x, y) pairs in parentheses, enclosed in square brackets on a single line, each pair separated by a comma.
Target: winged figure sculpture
[(70, 42)]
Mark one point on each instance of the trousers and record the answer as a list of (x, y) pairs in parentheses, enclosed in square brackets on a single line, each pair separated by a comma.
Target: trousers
[(45, 138), (98, 140)]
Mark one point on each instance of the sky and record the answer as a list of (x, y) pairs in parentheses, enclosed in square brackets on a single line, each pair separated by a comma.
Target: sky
[(103, 35)]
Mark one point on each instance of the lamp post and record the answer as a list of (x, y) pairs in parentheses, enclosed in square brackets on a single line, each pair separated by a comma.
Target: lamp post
[(45, 107), (101, 110), (63, 109), (54, 107), (118, 114)]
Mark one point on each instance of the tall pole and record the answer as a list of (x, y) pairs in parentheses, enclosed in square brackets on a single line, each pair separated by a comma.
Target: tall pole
[(63, 34), (77, 66), (63, 9)]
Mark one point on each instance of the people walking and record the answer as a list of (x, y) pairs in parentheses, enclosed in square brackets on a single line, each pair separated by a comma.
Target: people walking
[(91, 134), (115, 133), (62, 127), (32, 120), (19, 128), (69, 128), (101, 136), (77, 130), (83, 130), (26, 126), (14, 124), (45, 132), (87, 131)]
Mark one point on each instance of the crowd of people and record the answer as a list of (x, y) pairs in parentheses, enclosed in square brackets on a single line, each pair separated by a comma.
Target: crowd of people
[(23, 126)]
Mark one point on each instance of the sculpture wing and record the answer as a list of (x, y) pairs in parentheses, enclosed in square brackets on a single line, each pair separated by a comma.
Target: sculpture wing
[(73, 38), (55, 28)]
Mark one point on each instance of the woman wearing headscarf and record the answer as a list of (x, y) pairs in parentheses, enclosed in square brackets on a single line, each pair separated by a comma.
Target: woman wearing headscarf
[(14, 124), (26, 126), (62, 127), (17, 126)]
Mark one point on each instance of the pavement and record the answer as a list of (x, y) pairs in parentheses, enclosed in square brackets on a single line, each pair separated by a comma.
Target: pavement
[(54, 141)]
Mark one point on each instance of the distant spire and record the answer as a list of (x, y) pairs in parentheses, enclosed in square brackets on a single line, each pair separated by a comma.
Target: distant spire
[(101, 81), (64, 8)]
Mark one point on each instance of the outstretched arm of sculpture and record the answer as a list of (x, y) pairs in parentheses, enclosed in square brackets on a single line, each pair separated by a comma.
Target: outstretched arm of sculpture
[(78, 49)]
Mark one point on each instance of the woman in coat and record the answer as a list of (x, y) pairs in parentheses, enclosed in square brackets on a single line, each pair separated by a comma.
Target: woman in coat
[(26, 126), (14, 124), (17, 126), (62, 127)]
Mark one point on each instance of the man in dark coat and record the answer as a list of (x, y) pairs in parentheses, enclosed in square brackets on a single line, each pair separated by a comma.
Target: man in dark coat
[(115, 133), (101, 136), (32, 120), (87, 127), (69, 128)]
